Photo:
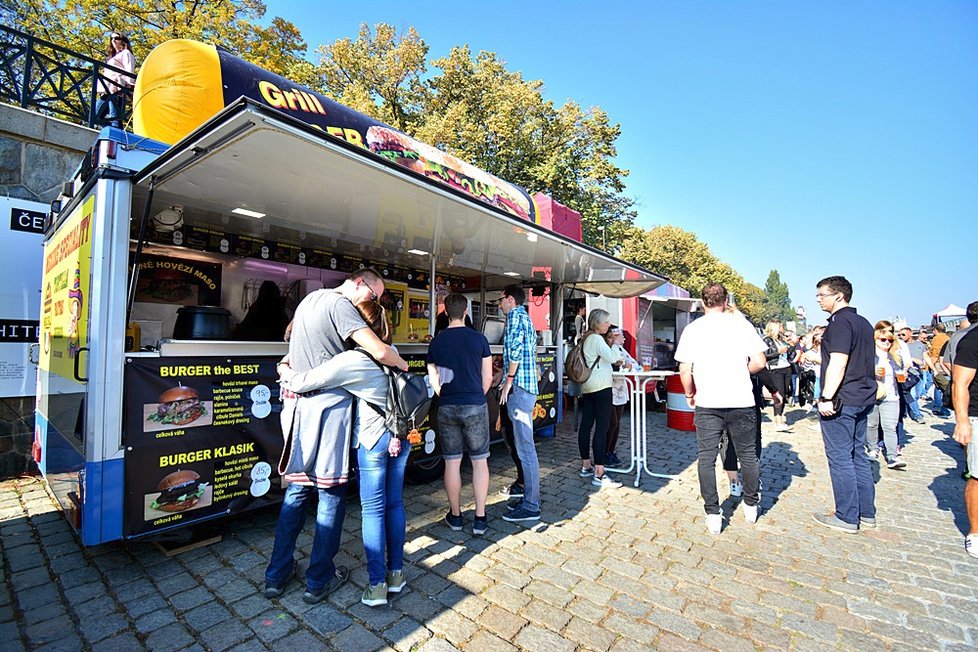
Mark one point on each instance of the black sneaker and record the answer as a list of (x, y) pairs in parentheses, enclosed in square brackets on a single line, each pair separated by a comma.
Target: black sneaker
[(612, 460), (339, 577), (514, 490), (521, 513), (273, 591), (454, 521), (479, 525)]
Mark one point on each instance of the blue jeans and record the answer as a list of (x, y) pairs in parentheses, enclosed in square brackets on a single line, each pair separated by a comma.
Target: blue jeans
[(325, 543), (913, 407), (844, 435), (382, 509), (926, 380), (111, 108), (519, 406)]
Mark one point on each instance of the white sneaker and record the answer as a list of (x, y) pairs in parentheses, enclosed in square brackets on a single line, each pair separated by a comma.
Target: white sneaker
[(605, 481), (736, 489), (971, 545), (714, 522), (750, 513)]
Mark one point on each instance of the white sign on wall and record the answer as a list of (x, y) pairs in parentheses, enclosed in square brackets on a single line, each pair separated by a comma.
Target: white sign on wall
[(21, 244)]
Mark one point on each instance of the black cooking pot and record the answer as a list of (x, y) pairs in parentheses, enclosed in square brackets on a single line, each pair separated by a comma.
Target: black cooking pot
[(202, 323)]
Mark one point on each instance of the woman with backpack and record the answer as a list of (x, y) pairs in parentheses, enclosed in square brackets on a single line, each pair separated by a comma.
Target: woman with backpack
[(780, 368), (596, 399), (380, 456)]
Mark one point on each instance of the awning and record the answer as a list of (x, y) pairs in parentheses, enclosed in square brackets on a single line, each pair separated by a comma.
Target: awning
[(686, 304), (317, 191)]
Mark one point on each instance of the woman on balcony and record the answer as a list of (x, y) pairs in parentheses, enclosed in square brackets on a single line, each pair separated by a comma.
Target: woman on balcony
[(115, 87)]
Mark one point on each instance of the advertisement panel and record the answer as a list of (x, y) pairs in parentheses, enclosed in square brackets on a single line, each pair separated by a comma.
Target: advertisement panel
[(183, 83), (20, 293), (202, 436), (66, 297), (545, 410)]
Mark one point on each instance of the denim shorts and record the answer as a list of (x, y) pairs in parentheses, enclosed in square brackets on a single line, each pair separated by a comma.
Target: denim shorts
[(464, 428), (972, 448)]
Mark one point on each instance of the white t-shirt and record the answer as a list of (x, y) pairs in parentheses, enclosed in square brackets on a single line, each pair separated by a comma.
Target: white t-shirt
[(718, 346)]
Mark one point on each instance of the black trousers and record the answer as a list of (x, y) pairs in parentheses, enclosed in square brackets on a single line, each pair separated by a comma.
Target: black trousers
[(614, 427), (782, 380), (729, 451), (710, 425), (596, 408)]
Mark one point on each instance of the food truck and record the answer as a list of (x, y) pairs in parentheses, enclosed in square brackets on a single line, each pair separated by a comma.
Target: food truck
[(151, 413)]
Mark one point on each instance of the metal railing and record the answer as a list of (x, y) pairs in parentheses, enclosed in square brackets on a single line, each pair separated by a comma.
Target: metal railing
[(37, 74)]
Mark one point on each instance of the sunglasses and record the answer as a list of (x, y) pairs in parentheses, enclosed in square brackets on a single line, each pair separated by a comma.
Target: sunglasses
[(885, 339), (116, 38)]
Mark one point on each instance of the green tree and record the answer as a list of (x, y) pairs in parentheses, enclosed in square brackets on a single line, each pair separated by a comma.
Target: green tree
[(83, 26), (476, 109), (777, 303), (379, 73), (689, 263)]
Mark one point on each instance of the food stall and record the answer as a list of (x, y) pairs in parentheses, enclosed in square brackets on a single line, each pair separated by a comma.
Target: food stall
[(184, 427)]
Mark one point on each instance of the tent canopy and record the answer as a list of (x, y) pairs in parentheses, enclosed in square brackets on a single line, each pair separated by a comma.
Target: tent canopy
[(952, 310)]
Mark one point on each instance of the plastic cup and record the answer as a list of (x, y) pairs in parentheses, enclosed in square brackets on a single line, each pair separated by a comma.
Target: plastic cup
[(901, 376), (880, 372)]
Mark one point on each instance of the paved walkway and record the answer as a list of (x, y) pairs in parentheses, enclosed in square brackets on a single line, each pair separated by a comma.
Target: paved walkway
[(624, 569)]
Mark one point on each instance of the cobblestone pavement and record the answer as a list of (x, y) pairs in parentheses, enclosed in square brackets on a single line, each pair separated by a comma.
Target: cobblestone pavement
[(612, 569)]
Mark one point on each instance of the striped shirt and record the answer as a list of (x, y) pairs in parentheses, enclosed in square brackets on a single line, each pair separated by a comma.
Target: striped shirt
[(520, 345)]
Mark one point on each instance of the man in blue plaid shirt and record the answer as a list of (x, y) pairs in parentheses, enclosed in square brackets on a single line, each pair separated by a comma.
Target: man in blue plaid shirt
[(519, 395)]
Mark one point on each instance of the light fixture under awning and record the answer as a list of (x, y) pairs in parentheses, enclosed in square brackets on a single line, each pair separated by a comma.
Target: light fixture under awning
[(308, 182)]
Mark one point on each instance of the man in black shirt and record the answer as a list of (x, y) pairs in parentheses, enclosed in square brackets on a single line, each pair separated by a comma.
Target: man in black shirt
[(848, 393), (964, 387)]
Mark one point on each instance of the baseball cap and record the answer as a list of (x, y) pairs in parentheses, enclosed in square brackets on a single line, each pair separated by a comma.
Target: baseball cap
[(901, 325)]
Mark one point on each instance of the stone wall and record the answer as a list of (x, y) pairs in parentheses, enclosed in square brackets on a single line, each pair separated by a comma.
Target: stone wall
[(37, 154)]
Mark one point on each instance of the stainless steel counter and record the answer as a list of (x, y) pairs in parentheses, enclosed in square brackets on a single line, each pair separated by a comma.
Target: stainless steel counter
[(214, 348)]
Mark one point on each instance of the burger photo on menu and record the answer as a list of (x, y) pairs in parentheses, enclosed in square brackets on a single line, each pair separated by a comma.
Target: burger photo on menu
[(178, 407), (179, 491)]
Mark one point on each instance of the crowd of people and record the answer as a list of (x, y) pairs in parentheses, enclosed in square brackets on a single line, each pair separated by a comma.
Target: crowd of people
[(863, 380)]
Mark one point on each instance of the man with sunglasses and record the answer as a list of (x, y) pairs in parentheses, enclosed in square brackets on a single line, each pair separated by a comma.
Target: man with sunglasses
[(317, 427), (848, 381)]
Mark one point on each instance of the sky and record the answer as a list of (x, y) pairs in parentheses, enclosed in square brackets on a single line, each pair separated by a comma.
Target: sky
[(815, 138)]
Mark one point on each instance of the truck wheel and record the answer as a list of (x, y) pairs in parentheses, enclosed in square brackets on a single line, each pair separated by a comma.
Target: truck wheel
[(426, 470)]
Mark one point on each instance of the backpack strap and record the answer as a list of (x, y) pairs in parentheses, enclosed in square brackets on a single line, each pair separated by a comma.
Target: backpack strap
[(597, 358), (390, 378)]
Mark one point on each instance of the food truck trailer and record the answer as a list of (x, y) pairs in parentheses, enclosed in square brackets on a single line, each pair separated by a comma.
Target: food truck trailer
[(151, 415)]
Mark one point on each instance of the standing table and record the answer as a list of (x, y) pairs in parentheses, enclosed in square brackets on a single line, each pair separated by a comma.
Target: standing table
[(637, 383)]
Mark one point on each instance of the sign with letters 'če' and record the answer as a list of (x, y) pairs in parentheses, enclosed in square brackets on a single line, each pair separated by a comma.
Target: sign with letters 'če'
[(20, 293)]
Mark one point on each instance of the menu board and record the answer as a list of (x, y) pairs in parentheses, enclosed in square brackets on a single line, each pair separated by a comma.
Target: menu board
[(212, 240), (203, 437), (249, 247), (545, 410)]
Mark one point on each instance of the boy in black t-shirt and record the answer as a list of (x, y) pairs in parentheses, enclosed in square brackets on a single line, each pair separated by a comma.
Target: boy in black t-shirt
[(460, 371), (965, 388)]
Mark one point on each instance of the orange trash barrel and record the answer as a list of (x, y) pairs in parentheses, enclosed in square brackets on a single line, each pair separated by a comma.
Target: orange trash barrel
[(679, 414)]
